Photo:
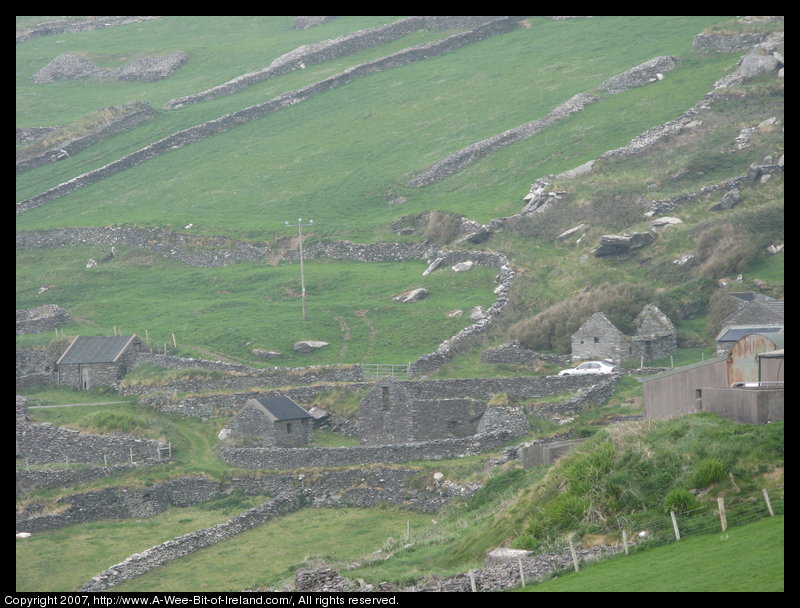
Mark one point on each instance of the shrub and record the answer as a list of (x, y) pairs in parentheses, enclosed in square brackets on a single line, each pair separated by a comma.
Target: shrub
[(679, 500), (708, 471), (722, 251), (442, 227)]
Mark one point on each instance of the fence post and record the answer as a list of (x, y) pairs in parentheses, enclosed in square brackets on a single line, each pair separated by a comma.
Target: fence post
[(769, 504), (625, 541), (723, 517), (675, 525), (521, 572), (131, 450), (472, 581), (574, 554), (105, 461)]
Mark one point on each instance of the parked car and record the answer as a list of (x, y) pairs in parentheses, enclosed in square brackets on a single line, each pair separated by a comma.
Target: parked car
[(590, 367)]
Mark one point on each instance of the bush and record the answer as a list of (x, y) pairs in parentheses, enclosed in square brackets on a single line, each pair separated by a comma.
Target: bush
[(708, 471), (679, 500)]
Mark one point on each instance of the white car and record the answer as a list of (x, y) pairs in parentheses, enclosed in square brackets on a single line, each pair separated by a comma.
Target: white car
[(590, 367)]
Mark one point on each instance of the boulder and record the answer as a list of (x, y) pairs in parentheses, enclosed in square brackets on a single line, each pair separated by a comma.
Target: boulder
[(663, 222), (265, 354), (433, 266), (729, 201), (615, 245), (504, 555), (463, 266), (308, 346), (412, 295)]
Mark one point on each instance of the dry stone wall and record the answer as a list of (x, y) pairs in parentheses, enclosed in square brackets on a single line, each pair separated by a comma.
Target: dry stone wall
[(282, 459), (46, 443), (499, 577)]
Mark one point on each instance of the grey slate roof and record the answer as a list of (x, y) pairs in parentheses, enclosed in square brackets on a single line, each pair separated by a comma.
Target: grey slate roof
[(95, 349), (283, 408), (734, 333)]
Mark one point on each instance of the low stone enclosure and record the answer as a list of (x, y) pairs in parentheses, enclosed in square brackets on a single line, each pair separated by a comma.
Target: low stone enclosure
[(46, 443)]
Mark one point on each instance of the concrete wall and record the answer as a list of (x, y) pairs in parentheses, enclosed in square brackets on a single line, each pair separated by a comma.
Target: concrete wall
[(540, 454), (674, 394), (746, 405)]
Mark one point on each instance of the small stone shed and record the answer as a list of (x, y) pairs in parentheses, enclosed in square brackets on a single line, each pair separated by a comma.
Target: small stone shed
[(598, 338), (273, 422), (745, 384), (91, 361), (402, 412)]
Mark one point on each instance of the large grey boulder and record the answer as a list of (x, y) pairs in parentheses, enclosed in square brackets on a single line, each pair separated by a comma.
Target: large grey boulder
[(616, 245), (309, 346), (412, 295), (729, 201)]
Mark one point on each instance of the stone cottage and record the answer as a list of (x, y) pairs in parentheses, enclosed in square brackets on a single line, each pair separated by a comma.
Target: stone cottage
[(402, 412), (272, 422), (91, 361), (598, 338), (656, 336)]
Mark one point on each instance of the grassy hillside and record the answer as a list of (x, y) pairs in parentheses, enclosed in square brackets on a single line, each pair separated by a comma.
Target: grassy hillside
[(342, 157)]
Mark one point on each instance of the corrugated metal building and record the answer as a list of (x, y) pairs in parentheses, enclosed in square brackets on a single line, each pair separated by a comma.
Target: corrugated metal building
[(691, 389)]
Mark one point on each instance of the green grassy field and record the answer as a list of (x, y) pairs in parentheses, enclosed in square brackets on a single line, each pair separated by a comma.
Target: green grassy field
[(743, 559), (235, 309)]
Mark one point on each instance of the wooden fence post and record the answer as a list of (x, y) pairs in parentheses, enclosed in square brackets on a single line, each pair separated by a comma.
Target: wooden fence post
[(472, 581), (625, 541), (723, 516), (769, 504), (675, 525), (574, 554), (521, 572)]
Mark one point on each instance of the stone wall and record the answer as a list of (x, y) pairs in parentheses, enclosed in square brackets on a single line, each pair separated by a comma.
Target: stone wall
[(323, 488), (42, 479), (140, 563), (46, 443), (135, 114), (499, 577), (68, 25), (467, 156), (277, 459), (41, 318)]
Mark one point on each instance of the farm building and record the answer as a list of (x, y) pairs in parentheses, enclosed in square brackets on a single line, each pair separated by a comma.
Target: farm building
[(91, 361), (756, 313), (402, 412), (738, 385), (598, 338), (272, 422)]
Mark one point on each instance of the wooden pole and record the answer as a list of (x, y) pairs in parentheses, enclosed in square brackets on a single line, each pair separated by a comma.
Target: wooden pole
[(675, 525), (769, 504), (131, 450), (472, 581), (521, 572), (105, 461), (723, 516), (574, 554), (625, 541), (174, 343)]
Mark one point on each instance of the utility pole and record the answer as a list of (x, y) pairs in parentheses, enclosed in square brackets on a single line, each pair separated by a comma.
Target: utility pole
[(299, 225)]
